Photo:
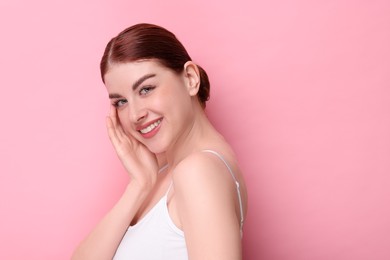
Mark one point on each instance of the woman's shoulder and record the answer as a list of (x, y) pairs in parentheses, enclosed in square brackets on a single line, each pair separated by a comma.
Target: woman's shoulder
[(206, 191), (205, 168)]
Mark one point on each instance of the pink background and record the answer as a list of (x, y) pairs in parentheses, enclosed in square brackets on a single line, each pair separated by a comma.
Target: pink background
[(301, 89)]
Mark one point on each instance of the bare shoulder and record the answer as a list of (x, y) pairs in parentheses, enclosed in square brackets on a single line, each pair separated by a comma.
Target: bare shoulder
[(208, 207), (203, 183), (203, 169)]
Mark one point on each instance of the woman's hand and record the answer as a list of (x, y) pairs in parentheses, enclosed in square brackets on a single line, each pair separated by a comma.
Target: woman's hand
[(139, 162)]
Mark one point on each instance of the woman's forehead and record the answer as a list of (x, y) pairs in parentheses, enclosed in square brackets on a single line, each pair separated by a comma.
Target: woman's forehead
[(120, 74)]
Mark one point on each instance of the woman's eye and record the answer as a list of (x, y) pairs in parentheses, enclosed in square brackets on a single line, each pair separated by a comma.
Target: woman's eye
[(145, 90), (120, 102)]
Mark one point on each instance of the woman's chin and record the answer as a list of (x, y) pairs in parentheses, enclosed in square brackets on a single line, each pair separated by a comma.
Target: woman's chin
[(155, 149)]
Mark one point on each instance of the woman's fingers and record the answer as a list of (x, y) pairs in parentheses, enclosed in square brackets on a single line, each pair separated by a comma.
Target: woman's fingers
[(114, 129), (112, 133), (114, 119), (121, 141), (139, 162), (112, 114)]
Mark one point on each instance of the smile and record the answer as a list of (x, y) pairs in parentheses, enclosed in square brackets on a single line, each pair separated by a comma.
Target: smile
[(150, 127)]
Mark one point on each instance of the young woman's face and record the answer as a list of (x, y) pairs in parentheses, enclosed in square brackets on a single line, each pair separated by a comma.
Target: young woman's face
[(154, 104)]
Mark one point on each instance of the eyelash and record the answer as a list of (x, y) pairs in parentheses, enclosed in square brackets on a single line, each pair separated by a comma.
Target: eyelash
[(118, 103), (147, 89)]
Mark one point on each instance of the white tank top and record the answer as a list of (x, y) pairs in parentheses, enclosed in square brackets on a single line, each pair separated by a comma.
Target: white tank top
[(156, 237)]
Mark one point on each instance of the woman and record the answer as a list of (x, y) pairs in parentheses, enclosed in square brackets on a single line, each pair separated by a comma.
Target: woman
[(186, 198)]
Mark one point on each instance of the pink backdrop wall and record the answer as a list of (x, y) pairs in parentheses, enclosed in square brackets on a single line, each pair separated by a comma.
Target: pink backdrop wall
[(301, 89)]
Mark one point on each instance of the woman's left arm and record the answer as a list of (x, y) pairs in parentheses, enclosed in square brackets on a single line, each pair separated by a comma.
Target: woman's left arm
[(208, 208)]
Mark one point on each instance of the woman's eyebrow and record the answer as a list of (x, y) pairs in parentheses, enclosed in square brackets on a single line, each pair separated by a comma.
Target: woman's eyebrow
[(114, 95), (142, 79), (135, 85)]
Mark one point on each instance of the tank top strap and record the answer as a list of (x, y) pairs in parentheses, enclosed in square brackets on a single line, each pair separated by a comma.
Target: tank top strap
[(169, 188), (236, 182), (163, 168)]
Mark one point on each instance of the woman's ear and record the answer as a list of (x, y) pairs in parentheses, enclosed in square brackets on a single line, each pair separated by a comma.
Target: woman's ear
[(192, 76)]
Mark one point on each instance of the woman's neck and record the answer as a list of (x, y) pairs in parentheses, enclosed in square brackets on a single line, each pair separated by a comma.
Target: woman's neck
[(192, 139)]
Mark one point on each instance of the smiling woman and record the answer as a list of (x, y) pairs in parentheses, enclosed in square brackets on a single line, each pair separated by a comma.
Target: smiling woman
[(186, 197)]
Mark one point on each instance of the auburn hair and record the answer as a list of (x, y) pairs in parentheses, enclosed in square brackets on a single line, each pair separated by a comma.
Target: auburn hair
[(147, 41)]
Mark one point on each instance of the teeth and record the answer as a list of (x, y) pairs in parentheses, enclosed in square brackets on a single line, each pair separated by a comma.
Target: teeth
[(150, 127)]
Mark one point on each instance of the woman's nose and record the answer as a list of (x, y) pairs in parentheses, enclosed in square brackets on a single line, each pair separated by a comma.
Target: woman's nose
[(137, 113)]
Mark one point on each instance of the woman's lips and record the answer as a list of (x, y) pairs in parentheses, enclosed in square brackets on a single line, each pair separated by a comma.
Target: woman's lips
[(150, 129)]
